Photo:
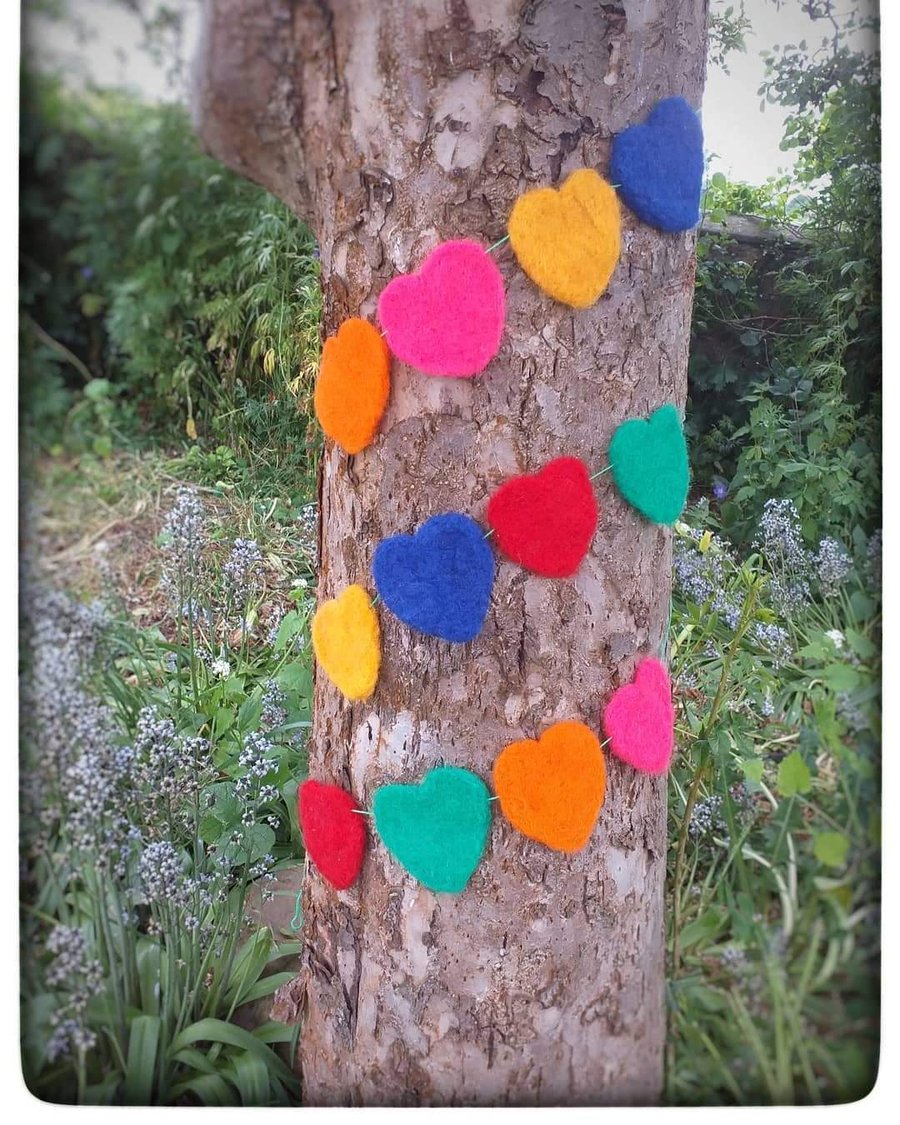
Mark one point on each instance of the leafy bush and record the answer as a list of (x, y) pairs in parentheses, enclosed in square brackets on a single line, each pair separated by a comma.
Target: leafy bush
[(190, 291)]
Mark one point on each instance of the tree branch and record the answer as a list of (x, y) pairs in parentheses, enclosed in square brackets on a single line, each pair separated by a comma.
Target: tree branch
[(246, 96)]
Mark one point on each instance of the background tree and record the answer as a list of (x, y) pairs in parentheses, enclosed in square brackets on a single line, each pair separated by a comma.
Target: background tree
[(393, 127)]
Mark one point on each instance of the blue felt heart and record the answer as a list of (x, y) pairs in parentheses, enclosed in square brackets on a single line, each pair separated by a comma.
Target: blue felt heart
[(439, 580), (658, 166)]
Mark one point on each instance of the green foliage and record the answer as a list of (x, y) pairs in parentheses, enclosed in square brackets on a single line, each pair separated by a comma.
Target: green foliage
[(190, 291), (774, 865), (785, 365)]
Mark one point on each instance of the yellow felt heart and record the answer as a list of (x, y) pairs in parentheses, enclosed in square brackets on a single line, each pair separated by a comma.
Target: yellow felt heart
[(568, 241), (347, 642)]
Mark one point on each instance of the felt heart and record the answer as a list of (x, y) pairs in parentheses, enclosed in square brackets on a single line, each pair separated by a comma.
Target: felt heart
[(437, 829), (334, 836), (353, 384), (650, 464), (347, 642), (552, 790), (639, 720), (568, 241), (439, 580), (658, 166), (545, 522), (447, 318)]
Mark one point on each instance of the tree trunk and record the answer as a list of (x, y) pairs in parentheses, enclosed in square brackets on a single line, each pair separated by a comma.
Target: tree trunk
[(392, 127)]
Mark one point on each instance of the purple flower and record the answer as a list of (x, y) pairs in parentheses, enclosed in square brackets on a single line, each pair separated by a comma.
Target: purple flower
[(86, 272), (720, 490)]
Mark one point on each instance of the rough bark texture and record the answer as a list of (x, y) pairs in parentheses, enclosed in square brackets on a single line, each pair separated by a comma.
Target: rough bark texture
[(393, 126)]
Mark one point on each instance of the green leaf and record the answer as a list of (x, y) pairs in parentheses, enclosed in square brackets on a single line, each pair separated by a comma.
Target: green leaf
[(860, 644), (191, 1057), (862, 605), (211, 828), (272, 1031), (295, 677), (252, 958), (223, 720), (793, 775), (103, 1092), (841, 677), (256, 841), (290, 626), (148, 954), (218, 1031), (831, 848), (265, 986), (251, 1078), (143, 1042), (753, 769), (703, 928), (210, 1089)]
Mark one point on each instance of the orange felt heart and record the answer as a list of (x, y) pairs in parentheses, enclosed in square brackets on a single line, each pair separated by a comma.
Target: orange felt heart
[(552, 790), (353, 384)]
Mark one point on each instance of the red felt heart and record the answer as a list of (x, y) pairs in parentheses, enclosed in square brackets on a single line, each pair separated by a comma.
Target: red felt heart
[(545, 522), (333, 834)]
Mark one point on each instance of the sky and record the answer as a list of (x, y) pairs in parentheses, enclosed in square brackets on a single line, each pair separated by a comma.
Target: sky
[(741, 139)]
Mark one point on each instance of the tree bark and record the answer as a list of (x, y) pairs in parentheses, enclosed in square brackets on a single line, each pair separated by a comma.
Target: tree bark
[(394, 126)]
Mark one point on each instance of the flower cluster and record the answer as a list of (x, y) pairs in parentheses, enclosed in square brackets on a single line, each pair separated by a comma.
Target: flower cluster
[(779, 538), (708, 819), (244, 571), (257, 762), (79, 977), (183, 544), (273, 713), (833, 565), (873, 558), (701, 575), (775, 640), (168, 768), (308, 525), (184, 537)]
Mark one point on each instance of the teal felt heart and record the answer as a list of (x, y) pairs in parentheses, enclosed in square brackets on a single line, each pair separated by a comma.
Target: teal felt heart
[(437, 829), (650, 464)]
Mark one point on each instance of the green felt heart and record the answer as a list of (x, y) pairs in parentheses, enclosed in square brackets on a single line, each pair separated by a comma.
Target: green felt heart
[(650, 464), (437, 829)]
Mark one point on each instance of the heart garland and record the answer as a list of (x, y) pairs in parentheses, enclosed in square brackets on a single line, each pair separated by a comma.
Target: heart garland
[(550, 789), (568, 241), (447, 320)]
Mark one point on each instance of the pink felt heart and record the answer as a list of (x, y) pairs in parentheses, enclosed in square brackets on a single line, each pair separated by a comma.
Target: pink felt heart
[(639, 720), (447, 318)]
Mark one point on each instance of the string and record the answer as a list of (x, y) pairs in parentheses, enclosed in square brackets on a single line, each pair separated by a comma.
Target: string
[(375, 600), (297, 920), (489, 533), (601, 472), (499, 242), (362, 812)]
